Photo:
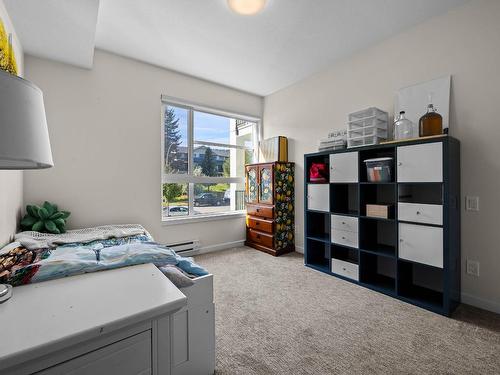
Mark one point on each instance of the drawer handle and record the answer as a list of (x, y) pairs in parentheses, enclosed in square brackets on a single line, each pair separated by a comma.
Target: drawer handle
[(343, 238), (418, 212), (257, 223), (400, 163), (258, 236), (401, 240), (343, 269), (343, 223), (257, 210)]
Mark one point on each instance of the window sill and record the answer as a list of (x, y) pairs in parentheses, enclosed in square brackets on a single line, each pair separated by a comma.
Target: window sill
[(202, 218)]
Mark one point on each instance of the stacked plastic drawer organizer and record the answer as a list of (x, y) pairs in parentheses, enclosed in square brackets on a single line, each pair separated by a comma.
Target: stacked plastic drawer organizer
[(367, 127)]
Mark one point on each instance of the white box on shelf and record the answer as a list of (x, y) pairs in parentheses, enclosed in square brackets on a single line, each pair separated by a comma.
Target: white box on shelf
[(421, 244), (318, 197), (344, 167)]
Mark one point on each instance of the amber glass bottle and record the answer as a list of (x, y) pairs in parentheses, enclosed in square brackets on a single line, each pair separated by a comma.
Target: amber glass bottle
[(431, 123)]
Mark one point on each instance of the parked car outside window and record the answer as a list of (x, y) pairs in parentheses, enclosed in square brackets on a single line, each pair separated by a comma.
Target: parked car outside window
[(209, 199)]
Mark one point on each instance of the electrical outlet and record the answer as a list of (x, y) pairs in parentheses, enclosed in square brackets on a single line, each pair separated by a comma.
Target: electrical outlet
[(472, 203), (473, 267)]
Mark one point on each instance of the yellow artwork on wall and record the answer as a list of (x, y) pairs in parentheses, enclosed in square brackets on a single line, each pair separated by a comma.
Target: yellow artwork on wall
[(7, 56)]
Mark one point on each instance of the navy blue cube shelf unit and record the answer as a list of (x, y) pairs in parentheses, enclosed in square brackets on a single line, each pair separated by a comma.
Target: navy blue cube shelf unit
[(413, 253)]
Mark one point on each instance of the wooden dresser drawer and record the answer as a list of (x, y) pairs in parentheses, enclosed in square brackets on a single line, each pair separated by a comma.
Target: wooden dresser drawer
[(261, 238), (260, 210), (260, 224)]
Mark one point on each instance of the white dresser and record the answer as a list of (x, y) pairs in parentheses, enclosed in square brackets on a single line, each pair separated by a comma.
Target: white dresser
[(111, 322)]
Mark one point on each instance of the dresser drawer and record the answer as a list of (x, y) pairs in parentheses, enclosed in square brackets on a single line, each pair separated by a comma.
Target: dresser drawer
[(260, 238), (344, 167), (346, 269), (130, 356), (260, 224), (346, 238), (420, 163), (422, 244), (347, 223), (260, 210), (421, 213)]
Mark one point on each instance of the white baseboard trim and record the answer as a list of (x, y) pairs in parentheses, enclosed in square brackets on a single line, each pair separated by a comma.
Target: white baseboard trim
[(299, 249), (219, 246), (481, 303)]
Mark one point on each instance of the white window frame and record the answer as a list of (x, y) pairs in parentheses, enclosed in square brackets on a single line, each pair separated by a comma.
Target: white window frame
[(189, 178)]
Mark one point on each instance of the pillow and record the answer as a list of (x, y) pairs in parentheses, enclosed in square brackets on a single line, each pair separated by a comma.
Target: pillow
[(176, 276)]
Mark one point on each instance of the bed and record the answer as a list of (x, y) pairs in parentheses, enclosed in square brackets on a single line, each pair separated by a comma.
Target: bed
[(37, 257), (194, 330)]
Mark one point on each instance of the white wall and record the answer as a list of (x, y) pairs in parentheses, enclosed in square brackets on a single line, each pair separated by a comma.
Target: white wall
[(464, 43), (105, 132), (11, 182)]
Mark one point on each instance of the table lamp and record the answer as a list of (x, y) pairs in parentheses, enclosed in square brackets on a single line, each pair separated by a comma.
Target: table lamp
[(24, 137)]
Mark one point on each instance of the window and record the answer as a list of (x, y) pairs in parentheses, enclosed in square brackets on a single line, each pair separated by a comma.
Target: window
[(204, 153)]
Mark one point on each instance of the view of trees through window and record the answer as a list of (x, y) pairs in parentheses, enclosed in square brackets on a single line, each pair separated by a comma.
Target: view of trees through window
[(204, 155)]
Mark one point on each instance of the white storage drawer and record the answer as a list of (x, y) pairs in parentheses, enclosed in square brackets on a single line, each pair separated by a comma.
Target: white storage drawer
[(131, 356), (318, 197), (421, 213), (346, 238), (346, 269), (344, 167), (420, 163), (422, 244), (344, 223)]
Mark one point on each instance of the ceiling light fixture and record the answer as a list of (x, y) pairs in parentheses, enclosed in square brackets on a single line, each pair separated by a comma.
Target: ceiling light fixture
[(246, 7)]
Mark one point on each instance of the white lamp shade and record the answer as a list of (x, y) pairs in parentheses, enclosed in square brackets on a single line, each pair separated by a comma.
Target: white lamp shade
[(24, 137)]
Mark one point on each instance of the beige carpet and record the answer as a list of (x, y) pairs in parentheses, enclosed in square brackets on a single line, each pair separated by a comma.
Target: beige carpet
[(275, 316)]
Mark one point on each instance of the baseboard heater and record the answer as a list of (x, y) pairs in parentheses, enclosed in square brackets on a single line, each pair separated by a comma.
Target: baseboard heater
[(186, 247)]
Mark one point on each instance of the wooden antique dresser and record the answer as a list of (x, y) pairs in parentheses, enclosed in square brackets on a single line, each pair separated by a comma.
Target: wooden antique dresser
[(270, 207)]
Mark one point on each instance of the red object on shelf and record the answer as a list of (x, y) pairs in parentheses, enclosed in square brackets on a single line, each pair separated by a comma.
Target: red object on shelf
[(318, 172)]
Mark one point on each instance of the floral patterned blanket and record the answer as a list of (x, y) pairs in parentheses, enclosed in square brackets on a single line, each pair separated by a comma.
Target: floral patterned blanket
[(20, 266)]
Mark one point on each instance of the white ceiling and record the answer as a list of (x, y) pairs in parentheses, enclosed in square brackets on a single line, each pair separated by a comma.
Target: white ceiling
[(56, 29), (288, 41)]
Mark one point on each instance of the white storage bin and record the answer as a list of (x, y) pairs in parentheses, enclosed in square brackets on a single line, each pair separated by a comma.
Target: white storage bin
[(421, 213), (344, 167), (345, 269), (420, 163), (421, 244), (346, 238), (347, 223), (318, 197)]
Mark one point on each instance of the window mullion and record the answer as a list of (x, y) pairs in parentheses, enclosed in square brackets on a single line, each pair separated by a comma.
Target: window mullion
[(190, 137)]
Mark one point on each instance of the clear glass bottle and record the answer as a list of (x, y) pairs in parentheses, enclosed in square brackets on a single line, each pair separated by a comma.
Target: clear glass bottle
[(431, 123), (403, 128)]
